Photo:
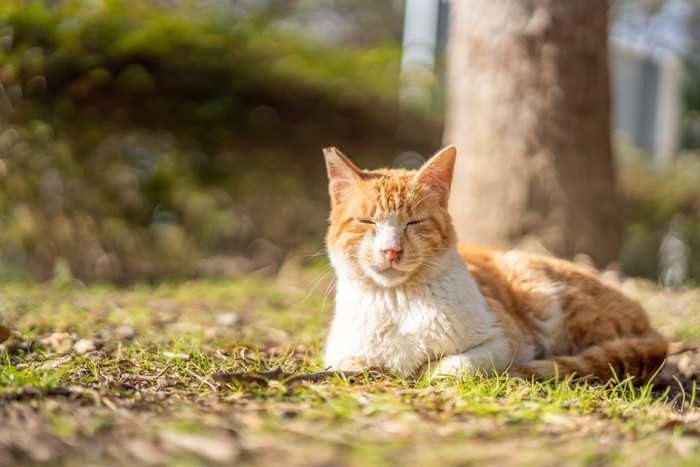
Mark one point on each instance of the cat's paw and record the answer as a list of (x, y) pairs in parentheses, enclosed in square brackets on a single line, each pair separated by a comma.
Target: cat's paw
[(454, 366), (349, 364)]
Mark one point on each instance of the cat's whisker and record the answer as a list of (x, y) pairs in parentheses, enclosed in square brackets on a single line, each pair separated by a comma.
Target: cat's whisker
[(321, 252), (428, 264), (323, 270), (327, 294), (315, 282), (319, 277)]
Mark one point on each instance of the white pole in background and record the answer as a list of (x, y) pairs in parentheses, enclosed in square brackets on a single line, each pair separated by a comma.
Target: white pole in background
[(418, 59), (668, 112)]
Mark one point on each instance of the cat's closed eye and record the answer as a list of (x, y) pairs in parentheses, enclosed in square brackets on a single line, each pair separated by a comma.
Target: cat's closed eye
[(365, 221), (418, 221)]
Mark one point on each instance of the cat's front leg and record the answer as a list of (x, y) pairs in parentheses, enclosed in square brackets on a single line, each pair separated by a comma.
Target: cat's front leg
[(342, 351), (348, 364), (491, 357)]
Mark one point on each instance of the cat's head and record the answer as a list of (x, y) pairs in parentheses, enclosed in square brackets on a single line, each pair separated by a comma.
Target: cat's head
[(390, 227)]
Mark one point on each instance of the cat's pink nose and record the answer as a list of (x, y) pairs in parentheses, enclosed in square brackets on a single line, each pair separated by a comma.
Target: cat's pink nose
[(392, 255)]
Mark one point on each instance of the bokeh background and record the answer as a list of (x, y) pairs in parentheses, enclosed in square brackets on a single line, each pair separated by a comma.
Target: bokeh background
[(163, 139)]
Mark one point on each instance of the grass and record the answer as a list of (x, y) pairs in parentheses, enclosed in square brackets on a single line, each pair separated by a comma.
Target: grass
[(109, 376)]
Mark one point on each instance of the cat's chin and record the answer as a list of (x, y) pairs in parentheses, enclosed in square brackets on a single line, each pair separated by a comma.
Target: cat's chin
[(389, 277)]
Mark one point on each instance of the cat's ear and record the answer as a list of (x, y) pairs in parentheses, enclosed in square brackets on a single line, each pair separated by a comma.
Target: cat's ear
[(342, 174), (437, 172)]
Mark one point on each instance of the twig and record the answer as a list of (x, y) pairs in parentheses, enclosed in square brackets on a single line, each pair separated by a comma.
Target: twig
[(200, 378), (277, 374)]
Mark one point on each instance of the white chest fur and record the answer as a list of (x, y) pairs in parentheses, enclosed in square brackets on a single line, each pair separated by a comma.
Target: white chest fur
[(401, 328)]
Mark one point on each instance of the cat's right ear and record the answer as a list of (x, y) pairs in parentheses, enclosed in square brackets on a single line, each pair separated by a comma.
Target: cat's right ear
[(342, 174)]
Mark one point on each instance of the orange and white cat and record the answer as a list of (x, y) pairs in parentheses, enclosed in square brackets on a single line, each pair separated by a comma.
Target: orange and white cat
[(409, 299)]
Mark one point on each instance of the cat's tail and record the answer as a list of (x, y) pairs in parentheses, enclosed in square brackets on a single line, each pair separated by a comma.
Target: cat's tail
[(638, 357)]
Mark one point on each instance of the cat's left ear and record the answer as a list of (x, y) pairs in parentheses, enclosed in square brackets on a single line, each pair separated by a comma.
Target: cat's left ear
[(437, 172), (342, 173)]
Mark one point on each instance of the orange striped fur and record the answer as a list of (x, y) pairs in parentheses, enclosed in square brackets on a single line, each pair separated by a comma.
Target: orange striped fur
[(602, 334)]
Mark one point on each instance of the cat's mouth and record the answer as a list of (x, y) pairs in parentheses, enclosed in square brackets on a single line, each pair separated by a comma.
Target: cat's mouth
[(392, 272), (388, 276)]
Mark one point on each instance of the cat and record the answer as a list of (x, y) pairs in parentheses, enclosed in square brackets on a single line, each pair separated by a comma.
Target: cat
[(411, 300)]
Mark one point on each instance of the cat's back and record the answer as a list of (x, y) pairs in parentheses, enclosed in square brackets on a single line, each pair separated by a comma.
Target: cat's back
[(513, 271), (556, 302), (498, 270)]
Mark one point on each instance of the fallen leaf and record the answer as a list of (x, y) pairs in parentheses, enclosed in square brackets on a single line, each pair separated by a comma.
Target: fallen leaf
[(5, 332), (54, 363), (59, 342), (84, 346), (174, 355)]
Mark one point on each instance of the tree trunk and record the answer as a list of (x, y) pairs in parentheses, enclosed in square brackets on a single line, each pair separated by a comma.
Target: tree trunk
[(528, 108)]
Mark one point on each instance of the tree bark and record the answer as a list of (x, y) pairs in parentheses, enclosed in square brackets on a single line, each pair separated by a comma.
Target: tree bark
[(528, 107)]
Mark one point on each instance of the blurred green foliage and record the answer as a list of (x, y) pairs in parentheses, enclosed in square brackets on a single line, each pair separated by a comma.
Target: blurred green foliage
[(657, 206), (145, 140), (142, 140)]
